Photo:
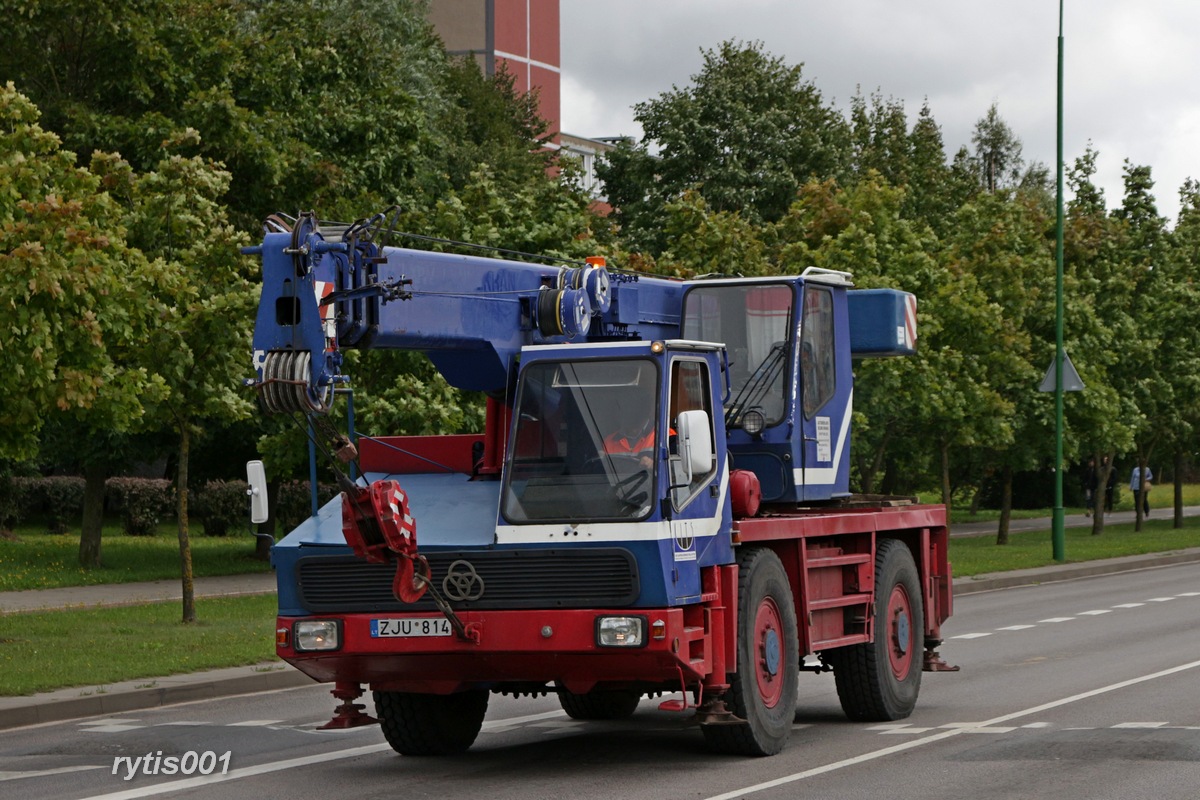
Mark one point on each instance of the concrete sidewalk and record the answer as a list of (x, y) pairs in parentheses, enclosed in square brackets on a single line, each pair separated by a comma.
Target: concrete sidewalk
[(153, 692)]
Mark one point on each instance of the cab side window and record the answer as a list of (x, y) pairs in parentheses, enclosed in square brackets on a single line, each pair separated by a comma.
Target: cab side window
[(817, 374), (690, 391)]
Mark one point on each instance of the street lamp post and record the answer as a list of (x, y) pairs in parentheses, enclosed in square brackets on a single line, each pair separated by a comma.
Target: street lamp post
[(1057, 534)]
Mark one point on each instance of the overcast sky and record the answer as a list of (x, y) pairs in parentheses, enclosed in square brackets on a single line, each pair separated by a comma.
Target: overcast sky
[(1132, 69)]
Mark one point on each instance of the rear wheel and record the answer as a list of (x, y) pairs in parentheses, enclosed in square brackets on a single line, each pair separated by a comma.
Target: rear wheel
[(431, 724), (600, 703), (763, 691), (879, 681)]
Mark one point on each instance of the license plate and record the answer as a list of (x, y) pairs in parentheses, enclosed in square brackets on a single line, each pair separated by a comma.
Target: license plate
[(410, 627)]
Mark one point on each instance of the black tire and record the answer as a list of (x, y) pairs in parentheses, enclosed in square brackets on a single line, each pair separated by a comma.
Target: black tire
[(600, 703), (879, 681), (764, 690), (431, 724)]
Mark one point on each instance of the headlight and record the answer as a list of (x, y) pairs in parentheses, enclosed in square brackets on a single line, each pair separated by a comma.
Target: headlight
[(753, 422), (318, 634), (620, 631)]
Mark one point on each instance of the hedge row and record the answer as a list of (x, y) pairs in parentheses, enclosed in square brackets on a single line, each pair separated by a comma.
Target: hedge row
[(142, 503)]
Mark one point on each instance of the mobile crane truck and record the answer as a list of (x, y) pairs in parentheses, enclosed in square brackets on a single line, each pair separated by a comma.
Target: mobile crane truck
[(659, 502)]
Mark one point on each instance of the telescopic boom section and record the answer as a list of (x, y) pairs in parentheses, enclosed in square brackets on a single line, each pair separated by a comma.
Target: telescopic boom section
[(471, 315)]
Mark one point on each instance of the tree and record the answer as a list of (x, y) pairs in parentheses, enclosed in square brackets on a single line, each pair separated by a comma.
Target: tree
[(343, 120), (79, 302), (929, 198), (880, 139), (997, 160), (1000, 239), (746, 134), (1097, 317), (1144, 369), (198, 345)]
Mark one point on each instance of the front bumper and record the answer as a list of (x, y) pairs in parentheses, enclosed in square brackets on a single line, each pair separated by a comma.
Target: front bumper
[(515, 648)]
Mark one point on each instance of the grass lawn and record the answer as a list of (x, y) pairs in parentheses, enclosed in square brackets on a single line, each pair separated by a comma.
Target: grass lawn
[(980, 554), (43, 651), (39, 560)]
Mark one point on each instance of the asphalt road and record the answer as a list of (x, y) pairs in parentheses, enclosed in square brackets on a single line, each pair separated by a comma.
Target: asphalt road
[(1082, 689)]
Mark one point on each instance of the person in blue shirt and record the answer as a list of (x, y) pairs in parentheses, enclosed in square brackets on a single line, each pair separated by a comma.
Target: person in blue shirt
[(1135, 486)]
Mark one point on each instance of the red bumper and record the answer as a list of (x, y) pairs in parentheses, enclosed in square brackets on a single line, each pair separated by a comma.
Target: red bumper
[(514, 647)]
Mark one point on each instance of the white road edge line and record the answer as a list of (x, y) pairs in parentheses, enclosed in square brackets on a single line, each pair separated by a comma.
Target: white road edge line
[(277, 766), (40, 773), (937, 737)]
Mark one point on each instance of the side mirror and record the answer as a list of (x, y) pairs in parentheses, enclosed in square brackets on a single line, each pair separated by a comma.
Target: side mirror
[(695, 442), (256, 476)]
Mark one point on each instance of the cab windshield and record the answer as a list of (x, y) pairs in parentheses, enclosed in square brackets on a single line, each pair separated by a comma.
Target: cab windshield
[(754, 322), (585, 442)]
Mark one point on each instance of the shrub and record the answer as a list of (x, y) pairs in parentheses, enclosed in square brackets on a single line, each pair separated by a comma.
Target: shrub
[(294, 504), (61, 498), (12, 501), (143, 502), (222, 505)]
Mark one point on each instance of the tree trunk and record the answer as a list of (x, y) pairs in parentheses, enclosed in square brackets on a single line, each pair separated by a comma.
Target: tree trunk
[(1178, 482), (185, 545), (1005, 506), (1100, 492), (93, 516)]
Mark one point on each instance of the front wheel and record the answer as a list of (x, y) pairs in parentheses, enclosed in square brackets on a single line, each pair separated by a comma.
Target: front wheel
[(431, 724), (879, 681), (763, 691)]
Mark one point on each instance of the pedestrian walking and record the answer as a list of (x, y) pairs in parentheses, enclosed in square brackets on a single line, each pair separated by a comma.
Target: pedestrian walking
[(1140, 481)]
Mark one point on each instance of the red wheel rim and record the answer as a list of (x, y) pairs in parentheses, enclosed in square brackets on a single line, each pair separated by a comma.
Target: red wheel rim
[(768, 652), (899, 632)]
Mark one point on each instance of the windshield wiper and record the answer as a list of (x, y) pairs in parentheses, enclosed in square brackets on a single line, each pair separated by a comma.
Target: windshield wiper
[(757, 386)]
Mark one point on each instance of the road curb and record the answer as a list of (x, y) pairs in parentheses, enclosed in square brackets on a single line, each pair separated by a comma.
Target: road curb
[(121, 698), (1068, 572)]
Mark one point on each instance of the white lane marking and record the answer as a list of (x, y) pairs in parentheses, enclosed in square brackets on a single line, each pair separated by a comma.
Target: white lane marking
[(1189, 594), (970, 635), (937, 737), (184, 722), (1015, 627), (1095, 613), (1129, 605), (1159, 599), (12, 776), (905, 730), (1037, 725), (172, 787), (1140, 725), (254, 723), (1057, 619), (112, 728)]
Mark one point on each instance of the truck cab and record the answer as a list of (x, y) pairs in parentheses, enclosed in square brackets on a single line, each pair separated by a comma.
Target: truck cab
[(623, 442)]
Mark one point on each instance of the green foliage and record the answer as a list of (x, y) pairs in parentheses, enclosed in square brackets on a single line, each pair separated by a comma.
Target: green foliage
[(745, 134), (222, 506), (142, 503), (59, 498), (295, 501), (74, 293)]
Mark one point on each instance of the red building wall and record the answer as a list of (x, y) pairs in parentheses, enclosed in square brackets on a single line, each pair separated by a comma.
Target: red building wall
[(526, 42)]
